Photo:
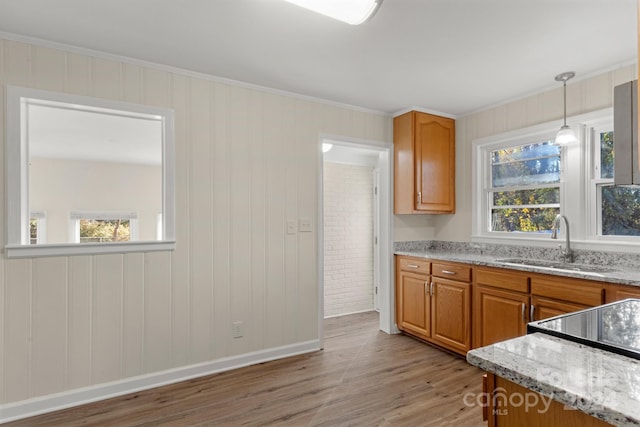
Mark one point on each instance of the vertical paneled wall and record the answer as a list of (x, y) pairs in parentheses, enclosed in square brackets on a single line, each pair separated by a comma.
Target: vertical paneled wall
[(246, 161), (348, 238), (583, 96)]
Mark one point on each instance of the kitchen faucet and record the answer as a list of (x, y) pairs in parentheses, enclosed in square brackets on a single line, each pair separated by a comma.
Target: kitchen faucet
[(567, 254)]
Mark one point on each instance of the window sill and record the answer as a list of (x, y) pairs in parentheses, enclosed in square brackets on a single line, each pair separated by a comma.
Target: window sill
[(69, 249)]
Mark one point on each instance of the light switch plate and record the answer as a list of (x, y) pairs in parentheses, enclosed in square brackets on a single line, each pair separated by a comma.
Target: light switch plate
[(304, 225), (291, 227)]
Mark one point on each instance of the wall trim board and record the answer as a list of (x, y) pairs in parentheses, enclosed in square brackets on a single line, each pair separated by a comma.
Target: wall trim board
[(176, 70), (81, 396)]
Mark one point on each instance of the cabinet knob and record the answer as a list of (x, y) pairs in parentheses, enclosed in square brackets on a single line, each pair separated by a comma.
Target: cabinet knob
[(524, 311), (413, 266), (532, 312), (453, 273)]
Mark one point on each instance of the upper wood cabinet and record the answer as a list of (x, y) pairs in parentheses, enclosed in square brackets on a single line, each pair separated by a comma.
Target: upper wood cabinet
[(424, 164)]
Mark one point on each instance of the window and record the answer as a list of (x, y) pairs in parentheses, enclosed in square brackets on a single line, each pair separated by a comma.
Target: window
[(617, 208), (524, 191), (518, 186), (37, 228), (522, 181), (101, 227), (66, 152)]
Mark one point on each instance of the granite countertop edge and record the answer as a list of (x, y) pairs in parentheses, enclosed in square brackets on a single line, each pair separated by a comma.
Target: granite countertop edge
[(485, 359), (619, 276)]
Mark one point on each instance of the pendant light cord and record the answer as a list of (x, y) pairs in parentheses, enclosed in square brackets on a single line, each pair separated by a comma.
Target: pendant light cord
[(565, 102)]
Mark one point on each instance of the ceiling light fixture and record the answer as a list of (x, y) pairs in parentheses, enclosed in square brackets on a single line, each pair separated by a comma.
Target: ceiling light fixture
[(353, 12), (565, 135), (326, 147)]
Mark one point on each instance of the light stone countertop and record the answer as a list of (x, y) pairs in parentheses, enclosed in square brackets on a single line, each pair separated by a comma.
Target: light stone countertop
[(602, 384), (622, 274)]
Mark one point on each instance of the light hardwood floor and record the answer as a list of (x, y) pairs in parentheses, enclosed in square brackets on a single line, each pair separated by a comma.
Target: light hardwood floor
[(363, 377)]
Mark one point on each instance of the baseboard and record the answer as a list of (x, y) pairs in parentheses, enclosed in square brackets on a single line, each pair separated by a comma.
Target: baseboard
[(368, 310), (81, 396)]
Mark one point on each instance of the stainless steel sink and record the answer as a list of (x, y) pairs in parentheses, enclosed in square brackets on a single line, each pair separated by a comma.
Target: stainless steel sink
[(555, 265)]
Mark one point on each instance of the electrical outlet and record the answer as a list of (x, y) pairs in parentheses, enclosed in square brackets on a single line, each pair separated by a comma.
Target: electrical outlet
[(238, 329), (291, 227), (304, 225)]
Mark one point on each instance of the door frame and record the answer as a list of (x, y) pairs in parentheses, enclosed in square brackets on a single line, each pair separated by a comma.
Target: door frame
[(384, 232)]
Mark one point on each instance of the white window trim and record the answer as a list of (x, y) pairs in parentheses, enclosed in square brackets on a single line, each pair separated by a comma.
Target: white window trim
[(17, 156), (577, 193), (76, 216)]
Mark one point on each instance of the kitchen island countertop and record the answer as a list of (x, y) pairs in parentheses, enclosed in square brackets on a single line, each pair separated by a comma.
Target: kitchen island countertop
[(602, 384)]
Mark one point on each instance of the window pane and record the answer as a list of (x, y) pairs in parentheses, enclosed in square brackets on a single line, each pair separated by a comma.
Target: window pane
[(33, 231), (526, 164), (527, 220), (539, 196), (103, 230), (620, 211), (606, 154)]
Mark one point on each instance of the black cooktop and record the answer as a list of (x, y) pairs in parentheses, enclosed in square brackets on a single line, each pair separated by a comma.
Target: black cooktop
[(614, 327)]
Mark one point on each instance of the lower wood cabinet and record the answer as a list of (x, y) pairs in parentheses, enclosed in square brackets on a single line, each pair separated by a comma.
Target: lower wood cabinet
[(543, 308), (432, 308), (506, 300), (620, 292), (451, 314), (436, 301), (498, 315), (413, 304), (505, 407)]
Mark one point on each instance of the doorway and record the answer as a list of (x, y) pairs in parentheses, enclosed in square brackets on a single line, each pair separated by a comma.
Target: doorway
[(361, 172)]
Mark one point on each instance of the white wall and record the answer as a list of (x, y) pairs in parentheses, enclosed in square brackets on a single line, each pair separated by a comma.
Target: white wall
[(348, 238), (247, 161), (59, 186), (583, 96)]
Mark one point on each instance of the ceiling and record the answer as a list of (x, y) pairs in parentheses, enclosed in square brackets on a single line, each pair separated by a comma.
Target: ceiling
[(448, 56)]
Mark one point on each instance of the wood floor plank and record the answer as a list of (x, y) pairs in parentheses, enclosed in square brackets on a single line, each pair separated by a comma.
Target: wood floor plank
[(363, 377)]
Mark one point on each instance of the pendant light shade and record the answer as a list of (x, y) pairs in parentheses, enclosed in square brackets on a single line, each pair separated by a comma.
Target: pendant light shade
[(565, 135), (353, 12)]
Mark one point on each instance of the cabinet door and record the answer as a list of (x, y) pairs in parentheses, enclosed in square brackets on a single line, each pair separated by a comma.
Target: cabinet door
[(498, 315), (434, 163), (451, 314), (414, 310), (543, 308)]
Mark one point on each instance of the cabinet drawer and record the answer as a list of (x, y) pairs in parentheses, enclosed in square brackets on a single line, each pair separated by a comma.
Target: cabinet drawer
[(617, 293), (505, 280), (415, 265), (572, 290), (451, 271)]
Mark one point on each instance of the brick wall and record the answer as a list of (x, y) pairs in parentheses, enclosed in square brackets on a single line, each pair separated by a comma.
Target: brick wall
[(348, 239)]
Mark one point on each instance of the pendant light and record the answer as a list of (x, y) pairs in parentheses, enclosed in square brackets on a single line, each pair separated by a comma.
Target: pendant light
[(353, 12), (565, 135)]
